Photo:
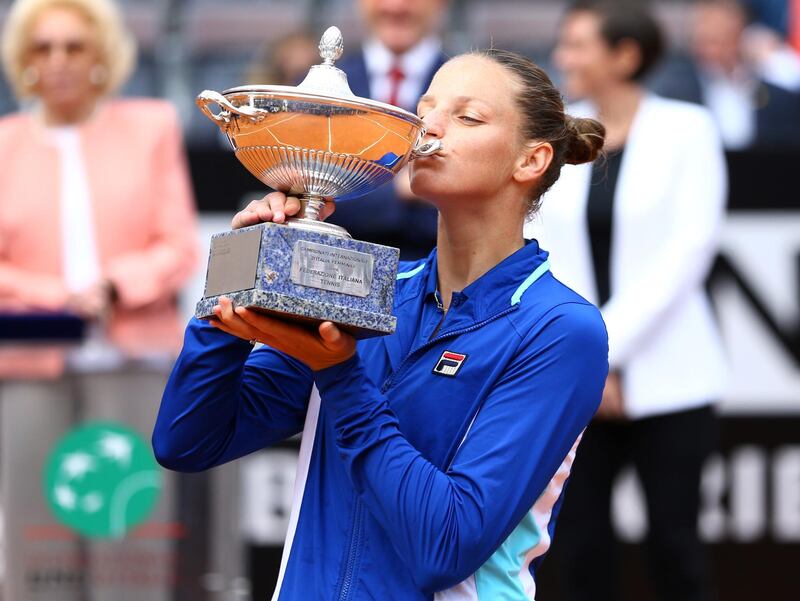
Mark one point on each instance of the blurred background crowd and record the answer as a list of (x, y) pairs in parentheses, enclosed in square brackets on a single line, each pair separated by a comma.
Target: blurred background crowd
[(112, 181)]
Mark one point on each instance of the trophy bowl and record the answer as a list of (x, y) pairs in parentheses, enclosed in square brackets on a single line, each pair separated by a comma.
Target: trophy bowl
[(319, 142)]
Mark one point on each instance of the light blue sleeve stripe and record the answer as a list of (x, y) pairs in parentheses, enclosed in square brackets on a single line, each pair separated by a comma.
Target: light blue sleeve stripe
[(404, 275), (538, 272), (499, 577)]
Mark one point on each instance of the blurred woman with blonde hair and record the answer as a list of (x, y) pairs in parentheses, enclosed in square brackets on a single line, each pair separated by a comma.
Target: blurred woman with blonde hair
[(96, 219)]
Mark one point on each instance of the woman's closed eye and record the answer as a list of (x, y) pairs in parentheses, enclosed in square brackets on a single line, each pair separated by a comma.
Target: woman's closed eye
[(470, 119)]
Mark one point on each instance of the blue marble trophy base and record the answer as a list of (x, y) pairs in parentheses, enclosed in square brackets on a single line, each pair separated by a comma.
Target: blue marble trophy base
[(304, 276)]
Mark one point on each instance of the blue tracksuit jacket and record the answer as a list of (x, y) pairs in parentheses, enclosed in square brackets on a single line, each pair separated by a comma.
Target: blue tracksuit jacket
[(434, 464)]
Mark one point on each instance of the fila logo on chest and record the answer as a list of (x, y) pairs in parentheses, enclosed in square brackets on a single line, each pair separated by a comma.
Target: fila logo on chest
[(449, 364)]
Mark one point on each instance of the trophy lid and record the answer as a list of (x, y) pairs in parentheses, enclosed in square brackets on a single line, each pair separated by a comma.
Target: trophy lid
[(326, 81)]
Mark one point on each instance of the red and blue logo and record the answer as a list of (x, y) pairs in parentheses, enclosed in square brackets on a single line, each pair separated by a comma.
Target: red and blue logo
[(449, 364)]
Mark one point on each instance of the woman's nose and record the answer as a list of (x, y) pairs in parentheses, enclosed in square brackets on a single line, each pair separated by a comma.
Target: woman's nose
[(434, 125), (57, 57)]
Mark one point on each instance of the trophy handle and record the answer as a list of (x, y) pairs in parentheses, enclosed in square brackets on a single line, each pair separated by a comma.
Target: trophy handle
[(425, 149), (223, 118)]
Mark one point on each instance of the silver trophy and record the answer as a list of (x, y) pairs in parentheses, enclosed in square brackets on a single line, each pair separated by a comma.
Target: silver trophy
[(319, 142)]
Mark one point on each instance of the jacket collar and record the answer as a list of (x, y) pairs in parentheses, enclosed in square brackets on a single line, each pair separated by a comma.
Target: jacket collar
[(498, 289)]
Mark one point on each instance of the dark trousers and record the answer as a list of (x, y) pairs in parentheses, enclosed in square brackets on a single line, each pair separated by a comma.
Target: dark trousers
[(667, 452)]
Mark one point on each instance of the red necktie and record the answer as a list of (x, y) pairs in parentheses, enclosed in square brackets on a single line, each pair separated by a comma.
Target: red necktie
[(794, 24), (396, 77)]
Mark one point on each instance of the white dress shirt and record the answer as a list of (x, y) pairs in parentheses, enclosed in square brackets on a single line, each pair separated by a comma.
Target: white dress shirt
[(731, 97), (415, 64), (80, 258), (79, 250), (730, 100)]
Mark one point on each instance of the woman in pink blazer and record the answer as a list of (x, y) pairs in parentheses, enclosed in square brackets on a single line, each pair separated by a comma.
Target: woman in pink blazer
[(143, 224), (97, 219), (134, 180)]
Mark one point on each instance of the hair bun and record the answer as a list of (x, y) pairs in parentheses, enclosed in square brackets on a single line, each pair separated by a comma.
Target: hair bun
[(585, 139)]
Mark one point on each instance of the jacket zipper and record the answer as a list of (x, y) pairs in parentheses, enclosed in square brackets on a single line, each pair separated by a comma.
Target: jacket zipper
[(352, 552), (441, 308), (395, 375), (438, 327)]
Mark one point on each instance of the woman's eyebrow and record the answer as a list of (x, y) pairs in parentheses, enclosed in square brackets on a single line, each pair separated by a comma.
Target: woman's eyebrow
[(466, 99), (458, 100), (480, 104)]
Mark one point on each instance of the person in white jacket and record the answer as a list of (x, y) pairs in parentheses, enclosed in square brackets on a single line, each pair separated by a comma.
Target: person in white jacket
[(637, 235)]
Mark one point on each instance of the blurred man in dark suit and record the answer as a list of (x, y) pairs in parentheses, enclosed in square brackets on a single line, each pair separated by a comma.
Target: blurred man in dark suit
[(402, 49), (746, 75)]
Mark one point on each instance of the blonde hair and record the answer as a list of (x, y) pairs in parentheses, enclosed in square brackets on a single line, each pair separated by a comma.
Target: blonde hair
[(115, 45)]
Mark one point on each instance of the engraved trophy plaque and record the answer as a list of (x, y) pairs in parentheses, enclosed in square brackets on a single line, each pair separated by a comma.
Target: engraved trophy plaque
[(319, 142)]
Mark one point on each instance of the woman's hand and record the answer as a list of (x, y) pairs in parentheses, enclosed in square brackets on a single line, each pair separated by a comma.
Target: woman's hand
[(92, 303), (326, 348), (275, 207), (612, 406)]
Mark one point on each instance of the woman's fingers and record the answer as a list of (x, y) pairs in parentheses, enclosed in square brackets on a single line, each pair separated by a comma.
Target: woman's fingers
[(268, 209), (256, 320), (274, 332), (292, 206), (227, 320), (274, 207), (339, 343), (282, 206), (232, 331), (255, 212), (331, 335), (327, 347), (243, 332), (276, 201), (225, 311)]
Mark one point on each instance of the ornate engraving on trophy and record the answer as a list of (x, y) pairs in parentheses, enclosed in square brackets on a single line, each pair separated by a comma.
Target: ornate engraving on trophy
[(332, 268)]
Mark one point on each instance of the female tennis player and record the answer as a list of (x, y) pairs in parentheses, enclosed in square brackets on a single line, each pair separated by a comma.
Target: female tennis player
[(434, 464)]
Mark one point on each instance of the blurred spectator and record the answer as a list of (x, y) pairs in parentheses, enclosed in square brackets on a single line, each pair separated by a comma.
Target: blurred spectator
[(286, 61), (96, 218), (747, 76), (401, 52), (636, 234)]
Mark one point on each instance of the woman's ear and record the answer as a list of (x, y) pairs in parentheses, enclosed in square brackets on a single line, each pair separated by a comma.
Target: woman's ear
[(533, 162)]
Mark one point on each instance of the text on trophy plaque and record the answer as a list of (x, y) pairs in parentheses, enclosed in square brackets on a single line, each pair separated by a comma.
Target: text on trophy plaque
[(332, 268)]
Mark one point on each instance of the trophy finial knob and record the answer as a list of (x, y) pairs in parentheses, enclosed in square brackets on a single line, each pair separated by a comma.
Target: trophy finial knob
[(331, 45)]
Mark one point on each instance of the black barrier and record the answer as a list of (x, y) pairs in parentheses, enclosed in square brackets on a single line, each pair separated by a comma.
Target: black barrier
[(41, 327), (220, 180), (764, 181)]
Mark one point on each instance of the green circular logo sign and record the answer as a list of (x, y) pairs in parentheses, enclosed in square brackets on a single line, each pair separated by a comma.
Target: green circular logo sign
[(101, 480)]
